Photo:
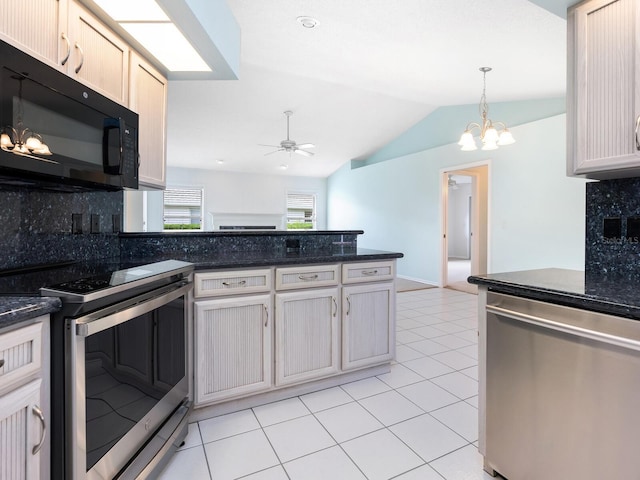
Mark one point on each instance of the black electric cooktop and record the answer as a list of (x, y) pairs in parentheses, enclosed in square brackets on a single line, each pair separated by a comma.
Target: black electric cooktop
[(79, 278)]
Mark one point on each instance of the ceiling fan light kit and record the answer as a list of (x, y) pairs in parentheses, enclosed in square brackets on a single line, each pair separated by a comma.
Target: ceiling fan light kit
[(289, 145), (490, 136)]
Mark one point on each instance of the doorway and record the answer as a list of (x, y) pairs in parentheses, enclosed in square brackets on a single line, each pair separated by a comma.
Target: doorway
[(464, 228)]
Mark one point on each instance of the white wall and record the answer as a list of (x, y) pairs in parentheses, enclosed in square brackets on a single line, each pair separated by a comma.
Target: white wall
[(246, 194), (536, 213)]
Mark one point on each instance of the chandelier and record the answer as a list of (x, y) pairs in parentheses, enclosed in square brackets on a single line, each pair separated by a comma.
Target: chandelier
[(492, 134), (20, 139)]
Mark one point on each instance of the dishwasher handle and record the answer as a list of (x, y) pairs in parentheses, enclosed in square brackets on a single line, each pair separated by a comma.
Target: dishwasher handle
[(565, 328)]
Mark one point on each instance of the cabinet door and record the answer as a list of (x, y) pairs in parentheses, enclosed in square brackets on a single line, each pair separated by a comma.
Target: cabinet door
[(148, 98), (232, 347), (603, 93), (22, 433), (306, 335), (99, 58), (33, 26), (368, 325)]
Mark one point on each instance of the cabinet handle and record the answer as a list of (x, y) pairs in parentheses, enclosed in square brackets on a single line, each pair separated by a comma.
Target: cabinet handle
[(307, 278), (241, 283), (266, 313), (81, 57), (348, 305), (40, 415), (335, 305), (370, 272), (637, 126), (66, 57), (1, 362)]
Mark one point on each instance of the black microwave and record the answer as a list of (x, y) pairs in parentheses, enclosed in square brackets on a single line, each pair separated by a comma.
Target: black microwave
[(57, 133)]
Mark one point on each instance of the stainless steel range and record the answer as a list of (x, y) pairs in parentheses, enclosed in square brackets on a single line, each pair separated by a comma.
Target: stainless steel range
[(120, 394)]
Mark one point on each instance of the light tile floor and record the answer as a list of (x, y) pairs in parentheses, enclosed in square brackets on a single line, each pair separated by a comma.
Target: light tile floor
[(420, 421)]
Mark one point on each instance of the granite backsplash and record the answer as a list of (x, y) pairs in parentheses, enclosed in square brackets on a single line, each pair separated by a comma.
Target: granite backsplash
[(36, 226), (42, 227), (613, 228), (144, 245)]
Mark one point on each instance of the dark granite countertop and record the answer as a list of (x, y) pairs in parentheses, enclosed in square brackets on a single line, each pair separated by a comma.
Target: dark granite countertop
[(216, 261), (19, 291), (239, 233), (615, 295), (18, 310)]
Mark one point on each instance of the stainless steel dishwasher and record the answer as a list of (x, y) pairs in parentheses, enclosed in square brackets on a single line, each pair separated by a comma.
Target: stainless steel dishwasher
[(562, 392)]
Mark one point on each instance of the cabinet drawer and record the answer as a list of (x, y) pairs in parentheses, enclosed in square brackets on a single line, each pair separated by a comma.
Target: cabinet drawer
[(20, 354), (367, 272), (306, 277), (229, 283)]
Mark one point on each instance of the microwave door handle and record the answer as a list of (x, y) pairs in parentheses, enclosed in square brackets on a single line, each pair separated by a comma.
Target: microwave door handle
[(111, 124)]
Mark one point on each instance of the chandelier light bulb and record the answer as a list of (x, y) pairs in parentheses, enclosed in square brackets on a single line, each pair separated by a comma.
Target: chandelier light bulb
[(490, 135), (5, 141), (33, 143), (490, 146), (466, 138), (506, 138)]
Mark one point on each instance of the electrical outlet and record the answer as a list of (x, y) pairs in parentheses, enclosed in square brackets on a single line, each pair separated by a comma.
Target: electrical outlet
[(95, 223), (115, 223), (76, 223), (612, 227)]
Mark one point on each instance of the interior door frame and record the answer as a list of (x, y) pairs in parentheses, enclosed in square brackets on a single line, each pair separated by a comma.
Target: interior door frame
[(480, 252)]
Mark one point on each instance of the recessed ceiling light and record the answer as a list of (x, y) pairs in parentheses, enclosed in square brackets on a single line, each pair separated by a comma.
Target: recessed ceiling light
[(284, 166), (145, 21), (220, 162), (308, 22)]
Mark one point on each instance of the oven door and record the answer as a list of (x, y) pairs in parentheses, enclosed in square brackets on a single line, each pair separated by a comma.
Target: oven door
[(127, 369)]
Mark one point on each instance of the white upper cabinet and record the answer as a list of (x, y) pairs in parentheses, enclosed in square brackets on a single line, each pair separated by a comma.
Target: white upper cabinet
[(98, 58), (148, 98), (33, 26), (603, 89)]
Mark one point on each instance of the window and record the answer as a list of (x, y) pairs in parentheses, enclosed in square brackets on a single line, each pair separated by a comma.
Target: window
[(183, 209), (301, 211)]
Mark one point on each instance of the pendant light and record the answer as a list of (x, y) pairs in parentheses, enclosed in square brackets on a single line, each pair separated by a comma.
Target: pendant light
[(492, 134)]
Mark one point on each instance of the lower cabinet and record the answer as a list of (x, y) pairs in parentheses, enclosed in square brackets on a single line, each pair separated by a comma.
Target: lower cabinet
[(233, 339), (307, 341), (22, 432), (368, 332), (253, 335), (24, 402)]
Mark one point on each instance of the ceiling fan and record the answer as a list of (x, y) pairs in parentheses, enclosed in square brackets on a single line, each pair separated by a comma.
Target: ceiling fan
[(290, 145)]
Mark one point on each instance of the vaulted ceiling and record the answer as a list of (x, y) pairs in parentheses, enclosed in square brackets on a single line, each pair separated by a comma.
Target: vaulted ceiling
[(367, 72)]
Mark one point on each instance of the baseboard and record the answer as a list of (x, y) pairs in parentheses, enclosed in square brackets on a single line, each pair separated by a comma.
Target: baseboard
[(420, 280)]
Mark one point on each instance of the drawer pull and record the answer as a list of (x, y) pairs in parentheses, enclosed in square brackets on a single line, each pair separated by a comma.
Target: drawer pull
[(308, 278), (241, 283), (369, 272), (36, 410)]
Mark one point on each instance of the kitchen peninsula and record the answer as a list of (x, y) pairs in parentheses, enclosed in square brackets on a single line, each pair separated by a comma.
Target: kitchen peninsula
[(280, 313), (276, 313)]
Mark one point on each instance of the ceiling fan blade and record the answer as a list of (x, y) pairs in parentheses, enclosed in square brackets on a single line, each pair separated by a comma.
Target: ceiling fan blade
[(275, 151), (304, 152), (307, 145), (274, 146)]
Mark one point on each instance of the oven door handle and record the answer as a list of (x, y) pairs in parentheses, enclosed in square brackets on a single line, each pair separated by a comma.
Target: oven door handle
[(95, 323)]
